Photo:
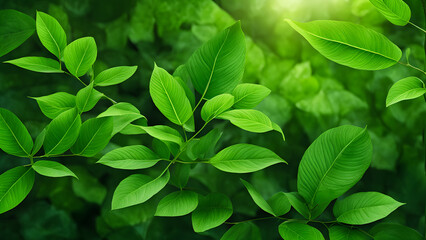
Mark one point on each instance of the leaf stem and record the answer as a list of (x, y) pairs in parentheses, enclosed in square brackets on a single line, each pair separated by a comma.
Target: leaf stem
[(411, 66), (60, 155), (414, 25)]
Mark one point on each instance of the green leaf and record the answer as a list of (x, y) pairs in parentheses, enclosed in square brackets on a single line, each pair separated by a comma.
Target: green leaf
[(333, 163), (392, 231), (248, 95), (242, 231), (16, 29), (396, 11), (204, 146), (55, 104), (244, 158), (136, 189), (279, 203), (405, 89), (364, 207), (52, 169), (349, 44), (216, 106), (251, 120), (213, 210), (80, 55), (87, 98), (169, 96), (177, 204), (115, 75), (51, 34), (62, 132), (130, 158), (164, 133), (299, 231), (37, 64), (132, 129), (180, 174), (14, 136), (218, 65), (15, 184), (122, 114), (257, 198), (38, 143), (95, 134), (345, 233), (298, 203)]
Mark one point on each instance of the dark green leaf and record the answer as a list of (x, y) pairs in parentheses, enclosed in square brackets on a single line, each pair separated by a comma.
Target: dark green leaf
[(16, 28), (14, 136), (15, 184), (243, 231), (257, 198), (299, 231), (345, 233), (213, 210), (392, 231)]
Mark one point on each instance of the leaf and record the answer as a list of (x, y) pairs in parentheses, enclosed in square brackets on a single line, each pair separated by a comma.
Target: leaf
[(87, 98), (37, 64), (122, 114), (257, 198), (242, 231), (345, 233), (130, 158), (62, 132), (164, 133), (216, 106), (38, 142), (405, 89), (333, 163), (52, 169), (115, 75), (95, 134), (251, 120), (169, 96), (51, 34), (16, 29), (14, 136), (55, 104), (218, 65), (213, 210), (244, 158), (279, 203), (80, 55), (136, 189), (392, 231), (248, 95), (396, 11), (349, 44), (180, 175), (15, 184), (364, 207), (204, 146), (298, 203), (299, 231), (177, 204)]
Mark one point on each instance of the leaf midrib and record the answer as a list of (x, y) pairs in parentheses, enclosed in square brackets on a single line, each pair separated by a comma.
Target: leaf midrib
[(81, 60)]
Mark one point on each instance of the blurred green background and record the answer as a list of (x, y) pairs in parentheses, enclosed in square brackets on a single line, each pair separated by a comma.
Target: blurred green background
[(309, 95)]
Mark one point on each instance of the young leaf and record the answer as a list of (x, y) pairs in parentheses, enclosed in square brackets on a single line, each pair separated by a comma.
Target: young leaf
[(80, 55), (95, 134), (257, 198), (15, 184), (16, 29), (242, 231), (218, 65), (136, 189), (164, 133), (87, 98), (37, 64), (52, 169), (297, 230), (177, 204), (364, 207), (14, 136), (51, 34), (396, 11), (130, 158), (169, 96), (298, 203), (279, 203), (213, 210), (244, 158), (55, 104), (349, 44), (216, 106), (248, 95), (405, 89), (62, 132), (122, 114), (345, 233), (38, 143), (115, 75), (392, 231)]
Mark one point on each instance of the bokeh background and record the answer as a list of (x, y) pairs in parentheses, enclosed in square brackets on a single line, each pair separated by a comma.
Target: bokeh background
[(309, 95)]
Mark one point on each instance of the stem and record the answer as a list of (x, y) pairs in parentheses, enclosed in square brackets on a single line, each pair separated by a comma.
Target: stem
[(413, 67), (365, 232), (61, 155), (31, 160), (112, 100), (414, 25), (250, 220)]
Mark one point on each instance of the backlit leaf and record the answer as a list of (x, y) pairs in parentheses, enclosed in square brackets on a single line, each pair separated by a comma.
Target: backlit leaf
[(87, 98), (248, 95), (396, 11), (80, 55), (299, 231), (130, 157), (55, 104), (114, 75), (14, 136), (52, 169), (177, 204), (51, 34), (37, 64), (15, 184), (405, 89), (215, 106)]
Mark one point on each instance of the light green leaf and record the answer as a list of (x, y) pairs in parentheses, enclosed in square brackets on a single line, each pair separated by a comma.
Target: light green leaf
[(243, 231), (95, 134), (87, 98), (298, 203), (169, 96), (130, 158), (279, 203), (257, 198), (218, 65), (177, 204), (244, 158), (38, 143), (213, 210), (248, 95), (396, 11), (37, 64), (122, 114), (364, 207), (405, 89), (345, 233), (392, 231), (164, 133), (299, 231), (132, 129), (80, 55), (349, 44), (15, 184), (62, 132), (216, 106), (14, 136), (52, 169), (51, 34), (16, 29), (55, 104), (115, 75), (136, 189)]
